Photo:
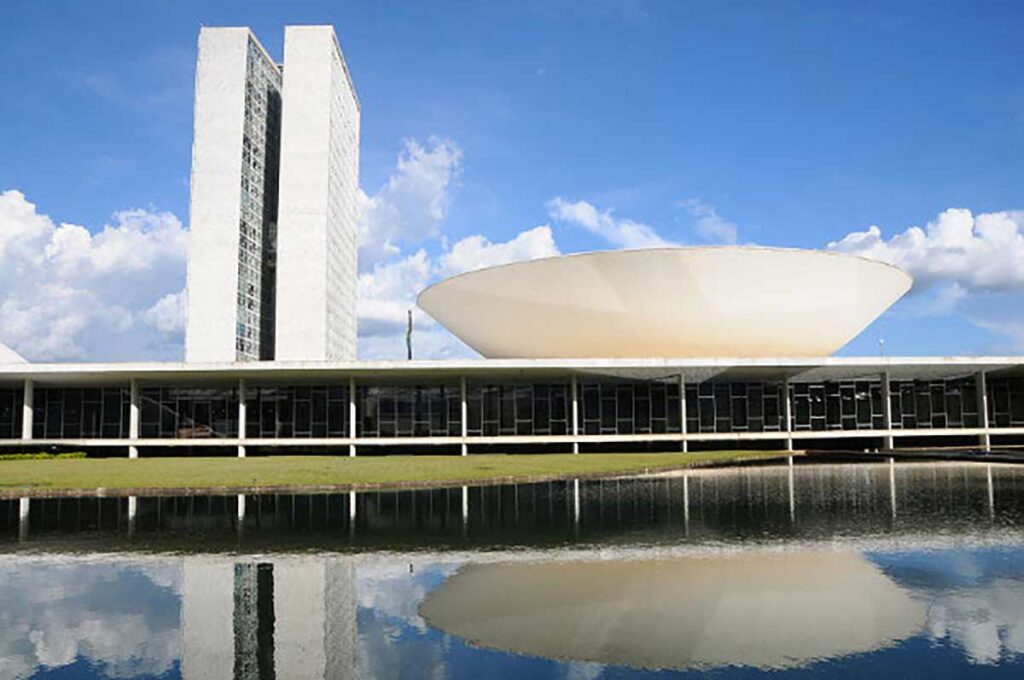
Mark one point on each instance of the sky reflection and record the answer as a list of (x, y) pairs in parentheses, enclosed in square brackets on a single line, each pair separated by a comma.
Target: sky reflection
[(791, 612), (831, 570)]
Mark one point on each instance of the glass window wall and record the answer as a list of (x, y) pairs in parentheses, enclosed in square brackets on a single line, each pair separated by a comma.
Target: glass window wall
[(1005, 402), (838, 405), (629, 407), (296, 411), (926, 404), (526, 409), (188, 412), (734, 407), (408, 411), (80, 412), (11, 400)]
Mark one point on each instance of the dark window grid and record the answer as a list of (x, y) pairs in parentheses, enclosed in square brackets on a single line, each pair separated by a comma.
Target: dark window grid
[(188, 413), (11, 404), (932, 404), (734, 407), (413, 411), (1006, 402), (282, 412), (837, 405), (630, 408), (79, 412), (532, 409)]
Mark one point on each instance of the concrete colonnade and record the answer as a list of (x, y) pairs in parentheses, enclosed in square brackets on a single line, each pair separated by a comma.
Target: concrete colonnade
[(888, 432)]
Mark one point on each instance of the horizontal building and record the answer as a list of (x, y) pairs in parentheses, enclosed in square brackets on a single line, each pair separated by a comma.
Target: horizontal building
[(510, 405)]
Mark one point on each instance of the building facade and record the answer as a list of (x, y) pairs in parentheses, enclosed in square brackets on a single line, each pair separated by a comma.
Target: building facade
[(490, 405), (234, 192), (273, 200), (317, 230)]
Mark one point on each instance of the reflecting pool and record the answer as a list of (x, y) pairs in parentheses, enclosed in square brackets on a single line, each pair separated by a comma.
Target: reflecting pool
[(909, 570)]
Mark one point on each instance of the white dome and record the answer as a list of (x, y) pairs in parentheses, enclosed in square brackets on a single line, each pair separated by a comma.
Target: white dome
[(668, 302), (9, 356)]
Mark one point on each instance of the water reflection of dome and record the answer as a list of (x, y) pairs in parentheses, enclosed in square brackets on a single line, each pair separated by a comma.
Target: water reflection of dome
[(761, 610)]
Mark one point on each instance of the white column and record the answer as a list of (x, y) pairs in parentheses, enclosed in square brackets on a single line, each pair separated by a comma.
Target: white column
[(682, 412), (981, 387), (26, 410), (463, 413), (133, 418), (787, 407), (887, 442), (686, 501), (792, 496), (892, 485), (133, 511), (242, 416), (575, 417), (23, 508), (991, 492), (241, 507), (576, 502), (352, 416)]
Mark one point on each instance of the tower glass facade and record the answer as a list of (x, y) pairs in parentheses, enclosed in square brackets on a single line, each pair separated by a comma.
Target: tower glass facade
[(275, 172), (257, 243)]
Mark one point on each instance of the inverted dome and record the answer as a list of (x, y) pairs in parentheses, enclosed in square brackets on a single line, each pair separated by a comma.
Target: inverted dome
[(668, 302), (9, 356)]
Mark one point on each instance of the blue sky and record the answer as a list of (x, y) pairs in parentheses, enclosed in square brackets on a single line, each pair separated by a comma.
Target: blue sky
[(784, 123)]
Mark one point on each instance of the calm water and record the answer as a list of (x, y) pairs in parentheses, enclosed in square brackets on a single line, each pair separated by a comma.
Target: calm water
[(839, 570)]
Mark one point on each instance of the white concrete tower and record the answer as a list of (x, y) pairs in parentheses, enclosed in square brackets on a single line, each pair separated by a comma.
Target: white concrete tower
[(233, 212), (317, 239)]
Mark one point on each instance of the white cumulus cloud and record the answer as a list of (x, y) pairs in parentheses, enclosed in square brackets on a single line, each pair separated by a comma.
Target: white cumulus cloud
[(67, 293), (413, 202), (710, 225), (168, 314), (962, 263), (619, 232), (388, 292), (978, 252), (403, 249), (477, 252)]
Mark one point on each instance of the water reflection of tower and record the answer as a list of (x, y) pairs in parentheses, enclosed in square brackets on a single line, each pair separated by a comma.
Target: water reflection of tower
[(315, 605), (254, 621), (289, 618)]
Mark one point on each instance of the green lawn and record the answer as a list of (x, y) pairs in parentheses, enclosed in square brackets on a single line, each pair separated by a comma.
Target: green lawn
[(339, 471)]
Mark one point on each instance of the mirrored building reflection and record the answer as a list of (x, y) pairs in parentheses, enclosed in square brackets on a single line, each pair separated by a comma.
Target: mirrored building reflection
[(788, 608), (754, 503)]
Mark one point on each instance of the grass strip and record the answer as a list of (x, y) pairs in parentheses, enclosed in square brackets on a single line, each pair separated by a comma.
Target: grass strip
[(224, 474)]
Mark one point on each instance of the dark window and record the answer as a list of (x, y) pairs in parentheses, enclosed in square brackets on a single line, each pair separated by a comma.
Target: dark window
[(76, 412), (408, 411)]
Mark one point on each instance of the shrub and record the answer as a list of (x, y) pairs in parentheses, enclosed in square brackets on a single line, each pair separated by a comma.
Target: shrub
[(42, 456)]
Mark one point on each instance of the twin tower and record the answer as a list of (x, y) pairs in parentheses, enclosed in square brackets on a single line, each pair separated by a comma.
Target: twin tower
[(274, 200)]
